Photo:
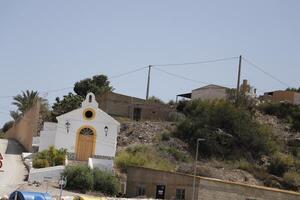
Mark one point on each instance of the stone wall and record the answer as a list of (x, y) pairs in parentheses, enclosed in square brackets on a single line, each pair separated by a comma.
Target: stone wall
[(123, 106), (206, 188), (25, 128)]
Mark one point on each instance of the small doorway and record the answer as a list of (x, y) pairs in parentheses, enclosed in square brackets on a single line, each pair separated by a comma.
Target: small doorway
[(85, 144), (160, 191), (137, 114)]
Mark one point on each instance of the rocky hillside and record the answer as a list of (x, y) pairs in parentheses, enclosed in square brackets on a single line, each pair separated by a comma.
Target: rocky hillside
[(157, 135)]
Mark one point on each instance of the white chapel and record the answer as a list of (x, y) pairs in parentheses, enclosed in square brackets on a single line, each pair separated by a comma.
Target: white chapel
[(88, 134)]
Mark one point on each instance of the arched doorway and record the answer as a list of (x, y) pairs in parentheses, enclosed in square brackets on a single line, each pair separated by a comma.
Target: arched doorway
[(85, 143)]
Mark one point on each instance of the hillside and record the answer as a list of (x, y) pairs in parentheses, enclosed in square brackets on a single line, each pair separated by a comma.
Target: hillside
[(156, 136), (157, 145)]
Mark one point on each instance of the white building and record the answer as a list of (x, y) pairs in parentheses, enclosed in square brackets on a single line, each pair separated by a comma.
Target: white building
[(88, 134)]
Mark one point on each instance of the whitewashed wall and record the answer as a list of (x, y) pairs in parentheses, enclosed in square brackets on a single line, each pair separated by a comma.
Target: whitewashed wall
[(102, 164), (105, 144)]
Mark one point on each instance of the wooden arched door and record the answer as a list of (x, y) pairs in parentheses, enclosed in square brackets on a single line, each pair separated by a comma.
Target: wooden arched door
[(85, 143)]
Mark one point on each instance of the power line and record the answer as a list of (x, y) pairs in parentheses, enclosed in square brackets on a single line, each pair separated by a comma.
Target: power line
[(180, 76), (184, 77), (265, 72), (127, 73), (197, 62)]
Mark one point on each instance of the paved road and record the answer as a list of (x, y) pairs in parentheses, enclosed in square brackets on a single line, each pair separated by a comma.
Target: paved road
[(13, 170)]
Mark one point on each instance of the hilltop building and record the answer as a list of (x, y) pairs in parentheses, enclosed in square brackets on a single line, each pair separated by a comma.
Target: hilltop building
[(119, 105), (282, 96)]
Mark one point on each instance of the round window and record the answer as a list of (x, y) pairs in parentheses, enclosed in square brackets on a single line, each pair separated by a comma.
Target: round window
[(89, 114)]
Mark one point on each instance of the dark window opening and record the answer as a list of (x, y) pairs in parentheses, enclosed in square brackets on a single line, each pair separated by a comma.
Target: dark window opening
[(137, 112), (141, 191), (90, 98), (180, 194), (88, 114), (160, 191), (86, 131)]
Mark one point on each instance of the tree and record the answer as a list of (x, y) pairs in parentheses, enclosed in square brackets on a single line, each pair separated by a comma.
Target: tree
[(155, 99), (293, 89), (26, 100), (67, 104), (97, 84), (15, 115), (7, 126)]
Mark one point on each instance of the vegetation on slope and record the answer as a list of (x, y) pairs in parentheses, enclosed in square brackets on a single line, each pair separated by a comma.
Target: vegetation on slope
[(230, 132), (142, 156), (288, 112)]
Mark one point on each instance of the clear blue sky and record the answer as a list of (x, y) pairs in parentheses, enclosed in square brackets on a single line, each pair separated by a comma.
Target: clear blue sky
[(47, 45)]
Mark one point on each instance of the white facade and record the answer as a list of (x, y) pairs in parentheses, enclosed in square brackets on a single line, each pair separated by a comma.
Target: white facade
[(100, 136)]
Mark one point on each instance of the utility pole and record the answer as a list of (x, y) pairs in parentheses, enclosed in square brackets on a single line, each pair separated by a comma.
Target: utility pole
[(238, 82), (195, 167), (148, 83)]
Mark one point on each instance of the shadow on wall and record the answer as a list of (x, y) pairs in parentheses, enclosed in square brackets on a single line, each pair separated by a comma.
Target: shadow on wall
[(24, 129), (14, 147)]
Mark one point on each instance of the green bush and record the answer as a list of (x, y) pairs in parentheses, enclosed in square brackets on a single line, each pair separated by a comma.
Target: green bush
[(83, 178), (165, 136), (105, 182), (177, 154), (142, 156), (292, 178), (79, 177), (53, 157), (244, 165), (40, 163), (230, 132), (280, 163)]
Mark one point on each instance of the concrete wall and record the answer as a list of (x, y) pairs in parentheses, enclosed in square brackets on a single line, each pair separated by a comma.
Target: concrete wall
[(297, 98), (103, 164), (24, 129), (209, 93), (207, 188), (40, 174), (213, 189), (123, 106), (149, 179)]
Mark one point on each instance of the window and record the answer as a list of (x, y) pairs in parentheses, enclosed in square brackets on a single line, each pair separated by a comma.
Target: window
[(180, 194), (86, 131), (89, 114), (141, 191), (90, 98)]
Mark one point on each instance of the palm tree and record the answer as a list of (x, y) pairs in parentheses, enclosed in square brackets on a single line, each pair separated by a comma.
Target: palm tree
[(26, 100)]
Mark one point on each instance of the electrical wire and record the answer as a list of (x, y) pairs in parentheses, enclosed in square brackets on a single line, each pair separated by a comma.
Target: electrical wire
[(197, 62), (184, 78), (265, 72), (179, 76), (127, 73)]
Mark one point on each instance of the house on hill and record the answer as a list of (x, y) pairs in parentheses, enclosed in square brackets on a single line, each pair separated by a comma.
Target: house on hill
[(282, 96), (88, 133), (119, 105), (217, 92), (208, 92)]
